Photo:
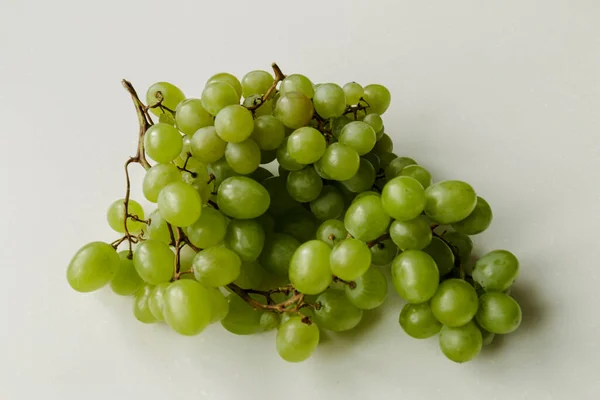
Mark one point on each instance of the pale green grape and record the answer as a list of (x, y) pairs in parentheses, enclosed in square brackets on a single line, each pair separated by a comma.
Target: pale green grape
[(304, 185), (216, 266), (218, 95), (267, 156), (284, 158), (447, 202), (269, 321), (163, 143), (366, 219), (171, 96), (141, 309), (268, 132), (297, 83), (93, 266), (227, 78), (306, 145), (243, 157), (358, 135), (415, 276), (339, 162), (154, 261), (496, 271), (241, 319), (191, 116), (414, 234), (370, 291), (157, 229), (349, 259), (331, 232), (419, 173), (167, 118), (337, 124), (116, 216), (186, 258), (242, 198), (441, 254), (221, 170), (478, 221), (256, 82), (461, 344), (455, 303), (364, 178), (294, 110), (336, 312), (208, 230), (309, 269), (218, 304), (462, 244), (383, 252), (234, 123), (418, 321), (156, 300), (262, 107), (498, 313), (207, 146), (367, 193), (384, 145), (329, 100), (385, 158), (246, 238), (156, 178), (329, 204), (179, 204), (396, 166), (376, 123), (281, 201), (126, 280), (187, 309), (277, 253), (373, 159), (296, 341), (353, 92), (378, 97), (251, 275), (300, 224)]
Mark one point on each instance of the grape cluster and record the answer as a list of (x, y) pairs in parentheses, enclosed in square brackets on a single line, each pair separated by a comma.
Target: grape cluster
[(306, 249)]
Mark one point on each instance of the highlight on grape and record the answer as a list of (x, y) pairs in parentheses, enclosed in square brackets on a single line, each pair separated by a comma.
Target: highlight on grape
[(308, 249)]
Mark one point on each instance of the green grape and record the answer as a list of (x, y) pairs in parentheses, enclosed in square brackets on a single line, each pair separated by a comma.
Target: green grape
[(339, 162), (156, 178), (447, 202), (216, 266), (241, 319), (195, 174), (297, 83), (337, 124), (385, 159), (463, 245), (329, 204), (364, 178), (93, 266), (154, 261), (186, 258), (300, 224), (187, 145), (277, 253), (306, 145), (296, 341), (461, 344), (269, 321), (441, 254), (227, 78), (258, 106), (329, 100), (171, 96), (281, 201), (126, 280), (373, 159), (496, 271), (418, 321), (309, 269), (267, 156), (141, 309), (243, 157), (234, 123), (396, 166), (284, 158), (242, 198), (336, 312), (365, 194), (294, 110), (370, 291), (218, 95), (366, 219), (116, 216), (246, 238), (376, 123), (167, 118), (221, 170), (256, 82), (419, 173), (208, 230), (378, 98), (190, 116), (157, 229), (218, 304), (156, 300), (207, 146), (358, 135), (498, 313), (179, 204), (268, 132), (383, 145), (304, 185), (163, 143), (350, 258), (353, 92), (455, 302), (331, 232), (187, 309), (251, 275), (415, 276), (414, 234), (383, 252), (478, 221)]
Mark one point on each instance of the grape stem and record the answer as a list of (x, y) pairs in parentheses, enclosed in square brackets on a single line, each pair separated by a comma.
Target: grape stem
[(351, 284), (184, 168), (158, 104), (354, 109), (380, 239), (213, 204), (279, 76)]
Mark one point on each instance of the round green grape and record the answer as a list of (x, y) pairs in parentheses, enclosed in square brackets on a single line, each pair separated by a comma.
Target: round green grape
[(304, 185), (366, 219), (256, 82), (358, 135), (455, 303), (339, 162), (190, 116), (478, 221), (269, 321), (496, 271), (498, 313), (396, 166), (179, 204), (284, 158), (336, 312), (403, 198), (187, 308), (207, 146), (116, 216), (277, 253), (419, 173), (163, 143), (329, 204), (218, 95), (354, 92), (246, 237), (447, 202), (126, 280), (418, 321), (331, 232), (216, 266), (227, 78), (306, 145), (310, 270), (92, 267), (209, 229), (350, 259), (156, 300), (297, 83), (378, 98), (243, 157), (242, 198), (234, 123), (156, 178), (370, 290), (171, 96), (415, 276), (461, 344), (383, 252), (414, 234), (329, 100), (268, 132), (294, 110), (157, 229), (296, 341), (364, 178), (154, 261), (141, 309), (241, 319)]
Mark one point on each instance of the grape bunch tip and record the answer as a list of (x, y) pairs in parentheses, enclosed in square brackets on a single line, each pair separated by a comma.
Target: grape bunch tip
[(303, 250)]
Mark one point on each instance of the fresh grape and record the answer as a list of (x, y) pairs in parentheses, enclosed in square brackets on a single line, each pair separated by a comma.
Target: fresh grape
[(126, 280), (378, 98), (374, 160), (396, 166), (93, 266), (187, 308), (363, 179), (419, 173), (385, 158), (309, 270), (241, 319), (227, 78), (234, 123), (337, 124), (306, 145), (156, 300), (383, 252), (297, 83), (163, 143), (331, 232), (329, 204), (195, 173), (218, 95), (294, 110), (191, 116), (179, 204), (349, 259), (157, 229), (242, 198), (447, 202), (296, 341), (462, 244), (156, 178), (116, 216), (376, 123), (258, 106), (358, 135), (269, 321), (418, 321), (246, 238), (461, 344), (209, 229), (171, 96), (339, 162), (366, 219), (329, 100), (478, 221), (141, 309), (284, 158), (221, 170), (414, 234), (336, 312), (496, 271), (304, 185), (206, 145), (300, 224), (415, 276), (154, 261), (384, 145), (218, 304), (455, 303), (243, 157), (498, 313), (216, 266), (256, 82), (370, 291), (441, 254), (251, 275), (186, 258), (268, 132), (277, 253), (353, 92)]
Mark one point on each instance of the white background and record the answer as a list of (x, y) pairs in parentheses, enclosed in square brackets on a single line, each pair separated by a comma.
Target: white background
[(504, 95)]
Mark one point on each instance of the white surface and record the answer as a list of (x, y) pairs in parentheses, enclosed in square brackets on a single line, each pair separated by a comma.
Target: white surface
[(505, 95)]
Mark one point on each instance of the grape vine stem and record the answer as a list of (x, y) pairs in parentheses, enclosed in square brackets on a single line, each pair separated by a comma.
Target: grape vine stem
[(279, 76)]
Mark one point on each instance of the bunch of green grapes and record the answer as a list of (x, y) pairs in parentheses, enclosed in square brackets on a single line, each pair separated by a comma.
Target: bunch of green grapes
[(305, 249)]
